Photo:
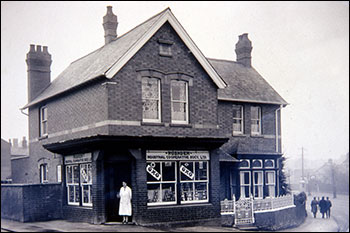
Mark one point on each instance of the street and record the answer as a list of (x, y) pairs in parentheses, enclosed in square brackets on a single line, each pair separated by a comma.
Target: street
[(339, 210)]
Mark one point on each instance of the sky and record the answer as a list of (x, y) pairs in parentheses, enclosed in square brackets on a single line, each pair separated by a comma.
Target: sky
[(300, 48)]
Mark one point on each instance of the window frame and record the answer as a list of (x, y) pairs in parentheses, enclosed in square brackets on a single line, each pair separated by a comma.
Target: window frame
[(259, 185), (159, 101), (241, 118), (89, 184), (73, 184), (270, 184), (43, 173), (242, 186), (254, 119), (179, 101), (59, 173), (43, 121)]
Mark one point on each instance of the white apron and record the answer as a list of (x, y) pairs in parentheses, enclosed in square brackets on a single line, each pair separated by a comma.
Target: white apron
[(125, 201)]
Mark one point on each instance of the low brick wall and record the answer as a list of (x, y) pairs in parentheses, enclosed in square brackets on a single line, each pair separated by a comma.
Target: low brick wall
[(31, 202)]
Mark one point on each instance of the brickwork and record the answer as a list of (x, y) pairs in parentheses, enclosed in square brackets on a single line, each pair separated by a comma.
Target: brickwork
[(28, 203)]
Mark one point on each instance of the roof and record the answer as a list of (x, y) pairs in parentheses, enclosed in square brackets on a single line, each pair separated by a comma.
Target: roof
[(110, 58), (244, 84)]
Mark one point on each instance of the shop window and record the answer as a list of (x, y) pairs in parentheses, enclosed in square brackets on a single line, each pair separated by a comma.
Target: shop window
[(43, 121), (237, 119), (270, 183), (43, 173), (86, 184), (72, 182), (194, 181), (245, 184), (179, 102), (258, 184), (151, 100), (255, 120), (161, 183)]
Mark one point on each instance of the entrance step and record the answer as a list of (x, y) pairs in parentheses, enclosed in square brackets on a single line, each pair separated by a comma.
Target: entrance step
[(248, 227)]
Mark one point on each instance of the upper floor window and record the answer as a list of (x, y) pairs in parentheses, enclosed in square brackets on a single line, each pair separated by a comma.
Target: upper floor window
[(179, 102), (237, 119), (256, 120), (43, 121), (43, 173), (165, 47), (151, 100)]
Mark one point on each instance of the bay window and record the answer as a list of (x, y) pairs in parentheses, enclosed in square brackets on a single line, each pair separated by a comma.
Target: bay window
[(258, 184), (270, 183), (245, 184)]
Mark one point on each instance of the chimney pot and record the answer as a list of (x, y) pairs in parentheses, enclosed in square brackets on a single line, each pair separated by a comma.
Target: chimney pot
[(38, 48)]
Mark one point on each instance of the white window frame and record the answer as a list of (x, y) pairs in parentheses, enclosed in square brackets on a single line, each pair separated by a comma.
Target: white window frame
[(271, 184), (261, 162), (259, 185), (163, 182), (74, 185), (243, 185), (179, 101), (89, 185), (259, 121), (273, 163), (241, 118), (59, 173), (158, 99), (165, 49), (43, 173), (194, 181), (247, 160), (43, 121)]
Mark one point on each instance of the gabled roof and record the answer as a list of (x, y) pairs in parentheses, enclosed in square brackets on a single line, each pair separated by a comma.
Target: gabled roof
[(109, 59), (244, 84)]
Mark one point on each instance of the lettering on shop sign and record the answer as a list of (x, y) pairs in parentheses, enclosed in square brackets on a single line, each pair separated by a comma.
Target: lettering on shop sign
[(153, 172), (177, 155), (79, 158), (187, 172)]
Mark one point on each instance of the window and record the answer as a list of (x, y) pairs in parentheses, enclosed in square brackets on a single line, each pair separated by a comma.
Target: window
[(86, 184), (43, 173), (165, 49), (72, 182), (258, 184), (151, 99), (245, 184), (257, 163), (244, 163), (59, 173), (270, 183), (179, 102), (256, 120), (237, 119), (161, 183), (269, 163), (43, 121), (194, 181)]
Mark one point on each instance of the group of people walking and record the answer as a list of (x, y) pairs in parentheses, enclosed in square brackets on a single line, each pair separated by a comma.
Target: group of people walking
[(324, 206)]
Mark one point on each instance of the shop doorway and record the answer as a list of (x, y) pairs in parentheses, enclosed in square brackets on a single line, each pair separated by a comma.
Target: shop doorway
[(115, 174)]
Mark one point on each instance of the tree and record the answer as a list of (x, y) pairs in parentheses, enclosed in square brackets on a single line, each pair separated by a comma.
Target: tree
[(284, 188)]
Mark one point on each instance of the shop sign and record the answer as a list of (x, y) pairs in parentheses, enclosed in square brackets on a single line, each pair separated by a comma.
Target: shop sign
[(177, 155), (78, 158), (153, 172), (187, 172)]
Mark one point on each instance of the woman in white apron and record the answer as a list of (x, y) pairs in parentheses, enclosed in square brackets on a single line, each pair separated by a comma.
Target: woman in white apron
[(125, 202)]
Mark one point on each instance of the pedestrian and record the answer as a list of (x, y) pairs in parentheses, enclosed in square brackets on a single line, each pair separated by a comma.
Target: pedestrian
[(329, 205), (125, 202), (314, 204), (323, 206)]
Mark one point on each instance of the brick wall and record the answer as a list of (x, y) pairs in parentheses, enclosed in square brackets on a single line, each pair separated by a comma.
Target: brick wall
[(28, 203)]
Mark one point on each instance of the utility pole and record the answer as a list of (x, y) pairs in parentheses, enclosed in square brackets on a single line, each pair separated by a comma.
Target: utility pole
[(333, 178)]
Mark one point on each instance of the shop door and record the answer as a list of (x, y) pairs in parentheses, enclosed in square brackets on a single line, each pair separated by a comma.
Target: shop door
[(116, 173)]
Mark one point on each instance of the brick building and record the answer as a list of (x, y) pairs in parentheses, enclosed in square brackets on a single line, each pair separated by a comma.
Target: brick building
[(184, 131)]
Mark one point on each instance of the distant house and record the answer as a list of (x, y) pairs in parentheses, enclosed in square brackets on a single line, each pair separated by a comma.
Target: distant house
[(184, 131), (20, 161), (5, 161)]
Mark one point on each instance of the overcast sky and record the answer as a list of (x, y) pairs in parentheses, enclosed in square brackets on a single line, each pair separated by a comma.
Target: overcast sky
[(300, 48)]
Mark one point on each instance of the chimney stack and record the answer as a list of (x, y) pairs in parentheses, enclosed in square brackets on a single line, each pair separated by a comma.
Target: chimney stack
[(15, 143), (110, 24), (39, 73), (244, 50)]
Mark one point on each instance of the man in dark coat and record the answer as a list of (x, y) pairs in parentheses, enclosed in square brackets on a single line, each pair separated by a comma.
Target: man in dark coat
[(323, 206), (314, 204), (329, 205)]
